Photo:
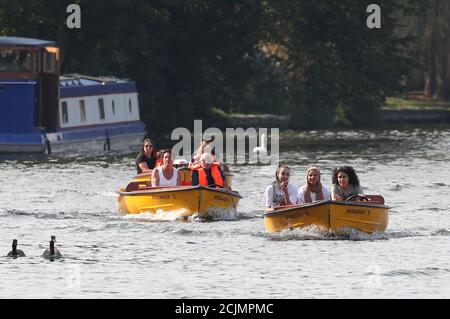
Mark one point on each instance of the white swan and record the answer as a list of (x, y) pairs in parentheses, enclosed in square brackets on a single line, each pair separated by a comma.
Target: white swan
[(263, 143)]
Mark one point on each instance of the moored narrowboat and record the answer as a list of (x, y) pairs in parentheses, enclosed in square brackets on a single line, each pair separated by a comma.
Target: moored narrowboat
[(43, 112)]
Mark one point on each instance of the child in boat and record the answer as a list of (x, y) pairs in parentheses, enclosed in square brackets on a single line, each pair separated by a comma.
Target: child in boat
[(313, 190), (280, 192), (345, 183), (166, 175)]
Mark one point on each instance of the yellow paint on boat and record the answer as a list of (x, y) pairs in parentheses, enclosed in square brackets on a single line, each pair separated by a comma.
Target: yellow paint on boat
[(189, 199), (365, 216)]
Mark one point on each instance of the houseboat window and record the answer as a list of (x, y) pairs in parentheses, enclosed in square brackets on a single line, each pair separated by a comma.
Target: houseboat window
[(50, 62), (82, 111), (65, 114), (15, 60), (113, 105), (101, 109), (129, 105)]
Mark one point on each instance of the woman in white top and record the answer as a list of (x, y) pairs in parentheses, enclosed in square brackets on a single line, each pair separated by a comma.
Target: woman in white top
[(280, 192), (313, 190), (166, 175)]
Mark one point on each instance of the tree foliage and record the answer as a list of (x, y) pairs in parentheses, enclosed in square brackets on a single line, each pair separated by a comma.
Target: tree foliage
[(314, 59)]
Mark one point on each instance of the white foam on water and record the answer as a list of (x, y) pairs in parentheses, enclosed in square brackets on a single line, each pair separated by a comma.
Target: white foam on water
[(312, 232), (160, 215), (216, 213), (316, 232)]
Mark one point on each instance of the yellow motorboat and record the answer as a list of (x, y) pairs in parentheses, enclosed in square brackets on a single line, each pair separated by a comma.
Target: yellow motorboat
[(368, 216), (139, 197), (185, 200)]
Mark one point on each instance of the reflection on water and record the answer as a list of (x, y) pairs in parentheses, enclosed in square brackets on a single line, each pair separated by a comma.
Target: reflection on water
[(73, 197)]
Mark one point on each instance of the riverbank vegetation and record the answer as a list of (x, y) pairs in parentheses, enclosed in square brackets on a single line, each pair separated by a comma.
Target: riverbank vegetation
[(314, 61)]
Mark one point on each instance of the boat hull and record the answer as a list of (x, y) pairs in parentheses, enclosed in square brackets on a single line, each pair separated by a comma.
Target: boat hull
[(330, 215), (185, 200)]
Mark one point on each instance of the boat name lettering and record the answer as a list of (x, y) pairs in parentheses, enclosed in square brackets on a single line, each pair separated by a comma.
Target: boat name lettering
[(356, 211), (161, 196), (221, 198)]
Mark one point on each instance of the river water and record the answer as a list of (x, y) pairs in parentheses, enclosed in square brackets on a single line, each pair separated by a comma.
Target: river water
[(107, 255)]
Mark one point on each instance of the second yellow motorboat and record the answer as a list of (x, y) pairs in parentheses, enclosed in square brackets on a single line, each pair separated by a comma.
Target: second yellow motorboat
[(365, 216)]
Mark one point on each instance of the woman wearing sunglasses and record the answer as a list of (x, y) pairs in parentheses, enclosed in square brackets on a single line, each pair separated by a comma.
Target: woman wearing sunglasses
[(146, 160), (280, 192)]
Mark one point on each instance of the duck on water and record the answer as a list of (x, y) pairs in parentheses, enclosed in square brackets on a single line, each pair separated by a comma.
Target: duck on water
[(52, 252), (14, 253)]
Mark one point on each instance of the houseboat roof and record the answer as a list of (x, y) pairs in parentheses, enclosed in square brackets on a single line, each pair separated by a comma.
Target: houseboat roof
[(77, 85), (17, 41), (76, 80)]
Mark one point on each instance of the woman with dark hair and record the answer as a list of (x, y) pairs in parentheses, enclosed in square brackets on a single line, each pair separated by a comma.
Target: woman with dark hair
[(166, 174), (146, 160), (345, 183), (280, 192), (313, 190)]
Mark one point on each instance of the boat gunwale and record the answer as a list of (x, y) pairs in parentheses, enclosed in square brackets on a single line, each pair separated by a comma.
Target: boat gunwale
[(291, 208), (178, 189)]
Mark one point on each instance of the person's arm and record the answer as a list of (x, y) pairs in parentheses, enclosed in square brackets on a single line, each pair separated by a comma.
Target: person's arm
[(268, 197), (300, 196), (144, 168), (194, 181), (222, 174), (178, 178), (326, 193), (334, 193), (360, 191), (292, 194), (155, 178), (285, 190)]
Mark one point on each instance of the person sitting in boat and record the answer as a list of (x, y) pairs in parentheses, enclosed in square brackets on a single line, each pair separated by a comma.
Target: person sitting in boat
[(159, 158), (345, 183), (166, 175), (208, 172), (146, 160), (203, 148), (280, 192), (313, 190)]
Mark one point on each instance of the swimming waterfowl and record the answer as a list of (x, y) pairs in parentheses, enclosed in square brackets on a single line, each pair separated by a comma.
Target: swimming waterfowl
[(15, 252), (52, 252), (262, 145)]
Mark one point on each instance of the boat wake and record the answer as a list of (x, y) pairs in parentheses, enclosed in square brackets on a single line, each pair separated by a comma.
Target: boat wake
[(222, 214), (215, 214), (316, 232), (160, 215)]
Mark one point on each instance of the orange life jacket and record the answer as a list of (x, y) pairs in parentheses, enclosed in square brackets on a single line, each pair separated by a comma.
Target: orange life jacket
[(203, 178)]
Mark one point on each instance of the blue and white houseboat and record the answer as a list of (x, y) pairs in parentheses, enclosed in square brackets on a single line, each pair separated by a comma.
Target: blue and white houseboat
[(43, 112)]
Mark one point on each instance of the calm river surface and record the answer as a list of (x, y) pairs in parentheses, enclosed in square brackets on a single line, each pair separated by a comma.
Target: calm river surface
[(107, 255)]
